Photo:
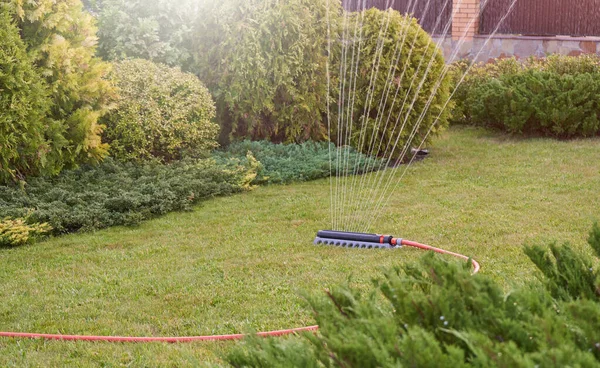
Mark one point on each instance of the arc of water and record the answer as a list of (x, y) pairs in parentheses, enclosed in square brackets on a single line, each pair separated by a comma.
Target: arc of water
[(342, 74), (421, 117), (327, 105), (511, 7), (349, 114), (381, 173), (395, 60), (363, 133), (372, 81)]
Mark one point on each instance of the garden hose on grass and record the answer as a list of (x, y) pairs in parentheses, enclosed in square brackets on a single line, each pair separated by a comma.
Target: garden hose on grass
[(326, 237)]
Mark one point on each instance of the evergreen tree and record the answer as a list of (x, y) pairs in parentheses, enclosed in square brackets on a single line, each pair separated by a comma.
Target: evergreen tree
[(157, 30), (23, 107), (61, 39)]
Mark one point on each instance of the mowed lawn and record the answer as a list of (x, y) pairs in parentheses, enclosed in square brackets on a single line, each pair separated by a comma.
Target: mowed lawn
[(242, 263)]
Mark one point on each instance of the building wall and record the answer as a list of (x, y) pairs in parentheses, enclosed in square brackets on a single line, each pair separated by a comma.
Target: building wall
[(485, 49)]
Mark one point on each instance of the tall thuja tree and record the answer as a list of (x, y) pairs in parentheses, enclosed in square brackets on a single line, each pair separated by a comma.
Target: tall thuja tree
[(61, 40), (23, 107), (265, 61), (156, 30)]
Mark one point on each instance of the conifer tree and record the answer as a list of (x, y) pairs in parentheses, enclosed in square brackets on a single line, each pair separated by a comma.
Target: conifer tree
[(61, 40), (23, 107)]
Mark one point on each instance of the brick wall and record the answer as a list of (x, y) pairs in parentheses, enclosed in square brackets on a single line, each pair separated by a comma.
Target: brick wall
[(465, 21)]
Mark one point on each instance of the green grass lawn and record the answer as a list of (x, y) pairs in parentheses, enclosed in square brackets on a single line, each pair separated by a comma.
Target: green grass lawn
[(241, 263)]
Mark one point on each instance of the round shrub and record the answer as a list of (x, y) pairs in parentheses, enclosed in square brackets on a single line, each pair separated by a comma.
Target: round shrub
[(23, 107), (399, 107), (265, 61), (162, 113)]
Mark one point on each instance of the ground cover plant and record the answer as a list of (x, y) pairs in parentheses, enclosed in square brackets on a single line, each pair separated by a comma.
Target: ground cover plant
[(112, 193), (556, 97), (287, 163), (437, 314), (242, 263)]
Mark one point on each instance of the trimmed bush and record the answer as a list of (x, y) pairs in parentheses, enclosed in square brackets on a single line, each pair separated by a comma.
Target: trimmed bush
[(115, 193), (287, 163), (557, 97), (435, 314), (265, 62), (60, 38), (24, 105), (162, 113), (416, 77)]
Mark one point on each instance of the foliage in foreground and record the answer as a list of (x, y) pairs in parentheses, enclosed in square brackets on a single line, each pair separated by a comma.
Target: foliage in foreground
[(437, 314), (162, 113), (558, 96), (287, 163), (121, 194), (398, 90)]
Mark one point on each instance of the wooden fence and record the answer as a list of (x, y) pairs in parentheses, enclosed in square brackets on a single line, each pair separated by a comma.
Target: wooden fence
[(542, 17), (433, 15), (529, 17)]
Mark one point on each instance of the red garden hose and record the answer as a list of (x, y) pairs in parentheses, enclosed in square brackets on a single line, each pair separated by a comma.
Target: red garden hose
[(152, 339), (177, 339)]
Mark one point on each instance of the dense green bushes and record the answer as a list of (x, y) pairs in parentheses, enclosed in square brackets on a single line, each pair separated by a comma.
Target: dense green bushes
[(558, 96), (121, 194), (125, 193), (436, 314), (162, 113), (286, 163), (23, 107), (396, 108), (265, 62), (59, 39), (156, 30)]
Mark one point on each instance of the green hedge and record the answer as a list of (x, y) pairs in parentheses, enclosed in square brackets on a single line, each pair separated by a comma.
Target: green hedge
[(287, 163), (162, 113), (436, 314), (557, 97), (265, 62), (156, 30), (115, 193)]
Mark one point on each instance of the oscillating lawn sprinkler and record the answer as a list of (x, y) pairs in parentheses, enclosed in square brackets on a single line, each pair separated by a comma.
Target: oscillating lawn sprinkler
[(371, 241)]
